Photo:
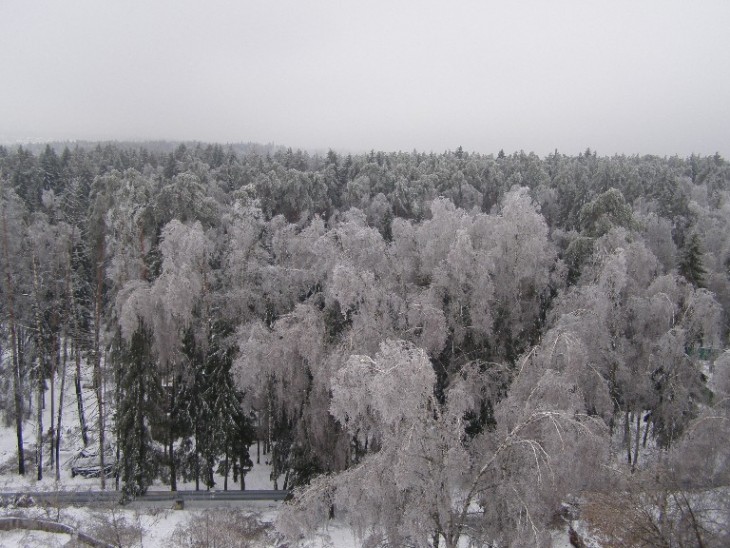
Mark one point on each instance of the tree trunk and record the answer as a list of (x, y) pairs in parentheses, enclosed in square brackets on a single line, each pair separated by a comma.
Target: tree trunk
[(100, 400), (68, 310), (452, 540), (64, 361), (637, 440), (20, 412), (173, 471), (117, 405), (646, 430), (173, 468), (269, 421), (197, 459), (77, 348), (39, 432), (613, 390), (225, 464), (80, 399), (39, 372), (17, 388), (141, 434), (18, 395), (97, 355), (244, 455), (627, 435), (51, 428)]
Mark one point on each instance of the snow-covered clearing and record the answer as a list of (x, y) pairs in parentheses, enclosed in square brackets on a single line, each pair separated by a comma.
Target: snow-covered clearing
[(170, 528)]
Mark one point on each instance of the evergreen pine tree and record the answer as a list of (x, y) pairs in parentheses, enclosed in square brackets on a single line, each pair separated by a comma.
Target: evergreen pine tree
[(51, 169), (137, 406), (221, 429), (690, 265), (170, 167)]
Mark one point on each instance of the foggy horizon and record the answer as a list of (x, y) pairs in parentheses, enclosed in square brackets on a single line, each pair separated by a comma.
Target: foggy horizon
[(618, 79)]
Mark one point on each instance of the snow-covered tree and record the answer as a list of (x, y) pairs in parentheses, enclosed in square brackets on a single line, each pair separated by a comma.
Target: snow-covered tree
[(11, 239), (424, 480), (165, 306), (690, 263), (523, 259)]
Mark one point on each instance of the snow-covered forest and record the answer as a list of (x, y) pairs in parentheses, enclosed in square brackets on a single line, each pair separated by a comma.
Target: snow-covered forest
[(432, 348)]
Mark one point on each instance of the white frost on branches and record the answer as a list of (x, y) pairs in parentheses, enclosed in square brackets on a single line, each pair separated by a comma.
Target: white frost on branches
[(166, 304)]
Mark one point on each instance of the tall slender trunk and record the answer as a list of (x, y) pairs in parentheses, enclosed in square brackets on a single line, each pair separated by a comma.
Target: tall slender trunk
[(18, 357), (61, 355), (197, 459), (80, 396), (142, 479), (118, 457), (269, 416), (243, 469), (117, 403), (22, 350), (40, 367), (627, 435), (18, 395), (209, 465), (51, 429), (613, 390), (206, 328), (225, 464), (258, 438), (97, 355), (39, 431), (637, 439), (71, 309), (173, 468), (64, 361), (17, 387)]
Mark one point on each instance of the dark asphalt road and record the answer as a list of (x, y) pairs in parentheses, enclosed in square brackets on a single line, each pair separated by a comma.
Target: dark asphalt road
[(91, 497)]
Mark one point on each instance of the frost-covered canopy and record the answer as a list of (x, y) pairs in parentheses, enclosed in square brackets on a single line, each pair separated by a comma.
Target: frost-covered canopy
[(434, 348)]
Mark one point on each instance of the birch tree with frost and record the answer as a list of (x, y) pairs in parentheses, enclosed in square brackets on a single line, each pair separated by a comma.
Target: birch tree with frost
[(426, 481)]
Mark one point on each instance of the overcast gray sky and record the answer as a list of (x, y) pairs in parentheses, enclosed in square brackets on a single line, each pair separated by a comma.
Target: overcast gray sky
[(640, 76)]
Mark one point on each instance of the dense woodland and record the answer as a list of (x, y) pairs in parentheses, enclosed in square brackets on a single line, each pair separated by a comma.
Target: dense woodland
[(428, 346)]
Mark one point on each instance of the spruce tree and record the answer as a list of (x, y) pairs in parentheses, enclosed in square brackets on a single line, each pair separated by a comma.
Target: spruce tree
[(690, 265), (137, 406), (220, 428)]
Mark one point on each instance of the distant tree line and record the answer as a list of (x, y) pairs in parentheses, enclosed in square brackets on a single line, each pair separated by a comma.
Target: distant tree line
[(413, 339)]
